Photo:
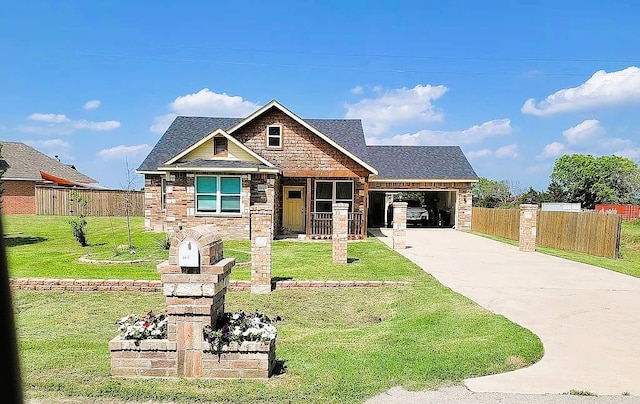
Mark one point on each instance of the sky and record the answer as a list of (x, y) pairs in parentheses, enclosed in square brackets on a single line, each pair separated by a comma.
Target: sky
[(515, 84)]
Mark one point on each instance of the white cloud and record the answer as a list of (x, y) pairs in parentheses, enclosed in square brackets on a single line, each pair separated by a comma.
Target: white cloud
[(204, 103), (93, 104), (60, 124), (207, 103), (630, 153), (509, 151), (51, 144), (585, 130), (614, 142), (554, 149), (161, 123), (122, 151), (357, 90), (473, 134), (601, 89), (49, 118), (397, 106), (478, 154)]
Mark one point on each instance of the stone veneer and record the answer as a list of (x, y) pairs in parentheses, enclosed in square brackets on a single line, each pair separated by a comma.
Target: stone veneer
[(399, 225), (195, 298), (340, 234), (528, 227)]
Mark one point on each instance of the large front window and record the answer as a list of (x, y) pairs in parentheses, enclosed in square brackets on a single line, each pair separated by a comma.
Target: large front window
[(218, 194), (330, 192)]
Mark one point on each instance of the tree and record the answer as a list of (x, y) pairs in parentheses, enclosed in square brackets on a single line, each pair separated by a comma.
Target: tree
[(491, 194), (593, 180), (129, 187)]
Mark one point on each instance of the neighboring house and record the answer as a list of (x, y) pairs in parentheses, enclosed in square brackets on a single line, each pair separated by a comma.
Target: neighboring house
[(211, 170), (25, 168)]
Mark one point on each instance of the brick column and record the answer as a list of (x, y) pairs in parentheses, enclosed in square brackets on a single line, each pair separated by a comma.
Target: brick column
[(261, 237), (528, 224), (399, 225), (340, 232)]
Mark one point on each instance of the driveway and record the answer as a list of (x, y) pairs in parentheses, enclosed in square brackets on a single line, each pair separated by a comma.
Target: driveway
[(588, 318)]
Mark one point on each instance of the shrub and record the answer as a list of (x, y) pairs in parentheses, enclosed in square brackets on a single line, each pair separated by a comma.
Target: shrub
[(151, 326)]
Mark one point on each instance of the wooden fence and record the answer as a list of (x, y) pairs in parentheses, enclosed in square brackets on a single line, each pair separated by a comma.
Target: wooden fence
[(108, 202), (498, 222), (592, 233)]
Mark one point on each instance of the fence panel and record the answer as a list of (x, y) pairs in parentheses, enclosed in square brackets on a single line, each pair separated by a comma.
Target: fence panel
[(498, 222), (591, 233), (108, 202)]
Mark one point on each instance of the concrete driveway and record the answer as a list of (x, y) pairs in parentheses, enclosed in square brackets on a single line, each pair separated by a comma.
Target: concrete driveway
[(588, 318)]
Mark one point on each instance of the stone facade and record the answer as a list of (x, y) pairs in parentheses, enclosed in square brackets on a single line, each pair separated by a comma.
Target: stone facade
[(194, 282), (261, 238)]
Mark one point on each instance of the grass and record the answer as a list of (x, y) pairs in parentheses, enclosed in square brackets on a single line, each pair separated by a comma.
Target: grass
[(337, 345), (628, 263)]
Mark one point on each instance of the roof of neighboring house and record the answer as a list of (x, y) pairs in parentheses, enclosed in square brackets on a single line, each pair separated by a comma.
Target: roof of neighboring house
[(23, 162), (420, 162)]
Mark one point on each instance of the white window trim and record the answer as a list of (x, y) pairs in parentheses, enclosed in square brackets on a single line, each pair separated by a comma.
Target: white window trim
[(218, 195), (279, 137), (333, 194)]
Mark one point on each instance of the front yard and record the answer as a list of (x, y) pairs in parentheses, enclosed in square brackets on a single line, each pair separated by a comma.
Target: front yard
[(335, 344)]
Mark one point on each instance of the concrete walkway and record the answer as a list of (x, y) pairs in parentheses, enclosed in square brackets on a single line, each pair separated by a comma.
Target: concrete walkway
[(588, 318)]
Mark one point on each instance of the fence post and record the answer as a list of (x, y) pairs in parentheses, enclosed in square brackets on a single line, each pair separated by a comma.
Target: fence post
[(399, 225), (340, 219), (528, 224)]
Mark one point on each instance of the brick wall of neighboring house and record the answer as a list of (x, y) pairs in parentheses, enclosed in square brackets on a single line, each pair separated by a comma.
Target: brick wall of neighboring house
[(19, 197), (180, 205)]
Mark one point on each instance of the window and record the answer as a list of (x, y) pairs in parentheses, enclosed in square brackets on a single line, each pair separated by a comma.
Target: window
[(163, 194), (220, 146), (218, 194), (330, 192), (274, 136)]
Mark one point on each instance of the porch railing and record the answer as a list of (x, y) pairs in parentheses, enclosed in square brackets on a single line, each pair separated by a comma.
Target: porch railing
[(322, 224)]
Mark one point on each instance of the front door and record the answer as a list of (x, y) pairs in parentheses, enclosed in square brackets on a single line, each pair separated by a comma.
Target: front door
[(293, 208)]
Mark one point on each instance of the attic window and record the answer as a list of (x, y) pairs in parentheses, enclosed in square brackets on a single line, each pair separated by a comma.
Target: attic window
[(220, 146), (274, 136)]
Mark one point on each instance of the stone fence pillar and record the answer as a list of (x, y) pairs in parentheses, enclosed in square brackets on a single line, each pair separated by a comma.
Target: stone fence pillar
[(261, 238), (340, 232), (399, 225), (528, 227)]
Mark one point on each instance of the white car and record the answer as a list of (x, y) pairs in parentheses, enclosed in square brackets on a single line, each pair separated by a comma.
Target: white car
[(416, 213)]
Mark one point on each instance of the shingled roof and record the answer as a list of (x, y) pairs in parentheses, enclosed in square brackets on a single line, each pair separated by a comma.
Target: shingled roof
[(391, 162), (23, 162), (421, 162)]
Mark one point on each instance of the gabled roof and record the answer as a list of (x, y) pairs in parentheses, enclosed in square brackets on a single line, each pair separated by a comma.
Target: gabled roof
[(421, 163), (23, 162), (185, 132)]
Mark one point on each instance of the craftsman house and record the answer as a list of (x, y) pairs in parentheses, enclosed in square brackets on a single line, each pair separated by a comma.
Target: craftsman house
[(206, 170), (25, 169)]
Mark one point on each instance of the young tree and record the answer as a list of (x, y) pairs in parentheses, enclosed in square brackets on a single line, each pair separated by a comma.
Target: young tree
[(592, 180), (129, 186), (491, 194)]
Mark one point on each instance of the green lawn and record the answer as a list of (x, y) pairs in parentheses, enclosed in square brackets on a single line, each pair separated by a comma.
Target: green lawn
[(337, 344), (628, 263)]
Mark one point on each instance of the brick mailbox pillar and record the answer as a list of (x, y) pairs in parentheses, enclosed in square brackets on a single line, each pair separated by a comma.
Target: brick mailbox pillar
[(194, 283), (399, 225), (340, 232), (261, 238), (528, 227)]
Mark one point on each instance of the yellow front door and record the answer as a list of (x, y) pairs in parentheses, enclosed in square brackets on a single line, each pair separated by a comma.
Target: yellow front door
[(293, 208)]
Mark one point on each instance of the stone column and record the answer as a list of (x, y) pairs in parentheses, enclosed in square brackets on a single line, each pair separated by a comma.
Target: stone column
[(399, 225), (261, 238), (340, 232), (528, 227)]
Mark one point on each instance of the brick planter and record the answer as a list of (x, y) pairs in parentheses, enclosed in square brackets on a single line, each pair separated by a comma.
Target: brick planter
[(159, 358)]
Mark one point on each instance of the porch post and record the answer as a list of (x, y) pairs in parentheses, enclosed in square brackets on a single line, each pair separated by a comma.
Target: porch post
[(307, 210)]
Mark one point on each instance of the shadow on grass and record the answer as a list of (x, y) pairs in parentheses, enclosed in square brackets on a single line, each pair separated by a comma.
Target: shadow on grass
[(18, 241), (280, 367)]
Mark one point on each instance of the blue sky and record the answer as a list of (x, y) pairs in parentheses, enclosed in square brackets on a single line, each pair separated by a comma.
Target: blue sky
[(516, 84)]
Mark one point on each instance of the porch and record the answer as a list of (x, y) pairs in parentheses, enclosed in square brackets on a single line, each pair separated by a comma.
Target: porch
[(321, 225)]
